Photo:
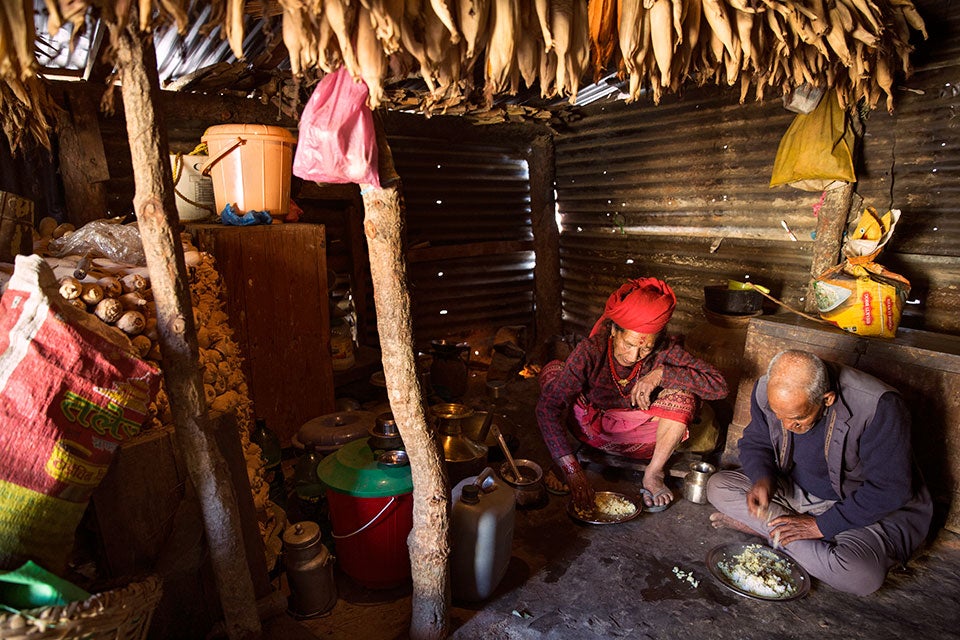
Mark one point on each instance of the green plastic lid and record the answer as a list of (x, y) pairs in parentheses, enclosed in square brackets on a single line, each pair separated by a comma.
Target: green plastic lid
[(353, 470)]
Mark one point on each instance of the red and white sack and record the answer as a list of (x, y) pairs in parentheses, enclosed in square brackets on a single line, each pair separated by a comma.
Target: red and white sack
[(70, 392)]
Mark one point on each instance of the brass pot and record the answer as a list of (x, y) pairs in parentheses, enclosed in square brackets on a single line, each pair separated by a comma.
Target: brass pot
[(464, 456)]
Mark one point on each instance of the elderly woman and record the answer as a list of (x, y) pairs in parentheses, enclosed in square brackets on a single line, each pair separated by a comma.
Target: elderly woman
[(628, 390)]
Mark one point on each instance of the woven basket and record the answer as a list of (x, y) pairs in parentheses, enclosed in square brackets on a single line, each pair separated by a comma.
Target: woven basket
[(123, 614)]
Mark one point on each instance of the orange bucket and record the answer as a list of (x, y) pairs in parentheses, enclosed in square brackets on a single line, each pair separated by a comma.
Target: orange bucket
[(250, 165)]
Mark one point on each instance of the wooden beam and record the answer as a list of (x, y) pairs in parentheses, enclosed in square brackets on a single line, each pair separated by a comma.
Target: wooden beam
[(469, 250), (83, 162), (546, 239), (831, 223), (156, 213), (428, 541)]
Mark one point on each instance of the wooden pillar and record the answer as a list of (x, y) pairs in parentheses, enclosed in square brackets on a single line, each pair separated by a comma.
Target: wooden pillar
[(831, 223), (156, 212), (546, 239), (428, 541), (83, 162)]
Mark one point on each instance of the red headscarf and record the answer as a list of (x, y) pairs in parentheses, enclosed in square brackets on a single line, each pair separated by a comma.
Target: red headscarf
[(643, 305)]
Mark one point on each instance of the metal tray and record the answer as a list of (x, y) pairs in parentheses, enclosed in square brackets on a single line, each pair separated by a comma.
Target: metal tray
[(595, 518), (799, 578)]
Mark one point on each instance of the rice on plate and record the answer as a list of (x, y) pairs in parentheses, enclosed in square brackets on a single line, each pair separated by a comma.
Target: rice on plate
[(761, 572), (608, 507)]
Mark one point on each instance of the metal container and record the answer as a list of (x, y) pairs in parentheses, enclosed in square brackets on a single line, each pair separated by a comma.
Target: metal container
[(309, 566), (331, 431), (385, 435), (449, 371), (464, 457), (721, 299), (531, 492), (695, 482)]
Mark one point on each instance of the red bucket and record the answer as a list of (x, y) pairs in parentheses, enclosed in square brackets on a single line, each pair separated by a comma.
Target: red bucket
[(371, 537), (371, 511)]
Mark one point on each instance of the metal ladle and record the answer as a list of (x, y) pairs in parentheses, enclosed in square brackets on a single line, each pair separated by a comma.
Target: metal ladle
[(506, 452)]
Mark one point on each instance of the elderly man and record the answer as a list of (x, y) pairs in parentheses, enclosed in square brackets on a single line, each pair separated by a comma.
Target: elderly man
[(827, 473), (628, 389)]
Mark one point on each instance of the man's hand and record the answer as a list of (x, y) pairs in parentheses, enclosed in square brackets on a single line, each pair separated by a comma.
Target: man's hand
[(788, 528), (580, 488), (758, 498), (644, 388)]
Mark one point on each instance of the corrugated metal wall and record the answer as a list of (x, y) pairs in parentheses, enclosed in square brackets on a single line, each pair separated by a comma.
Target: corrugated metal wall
[(679, 191), (469, 239), (912, 162)]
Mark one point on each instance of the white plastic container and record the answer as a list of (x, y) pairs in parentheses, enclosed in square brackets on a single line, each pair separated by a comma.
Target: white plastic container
[(481, 535), (190, 184)]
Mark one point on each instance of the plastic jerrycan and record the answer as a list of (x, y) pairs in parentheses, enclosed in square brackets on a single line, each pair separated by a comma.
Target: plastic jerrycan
[(481, 535)]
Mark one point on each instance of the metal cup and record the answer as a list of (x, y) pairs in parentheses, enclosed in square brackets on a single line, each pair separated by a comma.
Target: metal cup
[(695, 482)]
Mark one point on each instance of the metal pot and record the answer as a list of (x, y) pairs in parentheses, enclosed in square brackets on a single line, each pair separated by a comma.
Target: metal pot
[(720, 299), (464, 456), (385, 435), (449, 371), (531, 492), (331, 431)]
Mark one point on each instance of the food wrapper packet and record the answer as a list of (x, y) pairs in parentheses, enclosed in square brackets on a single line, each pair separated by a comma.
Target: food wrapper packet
[(860, 295)]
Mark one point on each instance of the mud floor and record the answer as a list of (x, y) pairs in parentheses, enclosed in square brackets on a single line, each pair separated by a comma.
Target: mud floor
[(570, 580)]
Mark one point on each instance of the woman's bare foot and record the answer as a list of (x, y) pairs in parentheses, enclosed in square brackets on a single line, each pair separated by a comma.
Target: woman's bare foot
[(722, 521), (653, 482)]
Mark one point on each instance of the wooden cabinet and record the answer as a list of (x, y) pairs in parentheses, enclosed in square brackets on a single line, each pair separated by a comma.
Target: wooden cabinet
[(275, 278)]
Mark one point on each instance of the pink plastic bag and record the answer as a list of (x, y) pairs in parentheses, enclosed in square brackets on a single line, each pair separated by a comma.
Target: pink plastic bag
[(337, 139)]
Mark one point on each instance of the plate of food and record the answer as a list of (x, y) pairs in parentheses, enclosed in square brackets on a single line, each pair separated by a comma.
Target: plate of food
[(757, 571), (609, 507)]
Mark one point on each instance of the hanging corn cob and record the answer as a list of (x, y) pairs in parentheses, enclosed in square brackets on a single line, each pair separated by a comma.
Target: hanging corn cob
[(854, 47)]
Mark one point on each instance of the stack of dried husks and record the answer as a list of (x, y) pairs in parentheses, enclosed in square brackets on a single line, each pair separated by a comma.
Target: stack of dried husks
[(120, 296)]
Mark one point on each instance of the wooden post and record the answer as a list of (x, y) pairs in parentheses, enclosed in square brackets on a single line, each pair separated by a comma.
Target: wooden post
[(428, 542), (155, 209), (546, 239), (83, 163), (831, 223)]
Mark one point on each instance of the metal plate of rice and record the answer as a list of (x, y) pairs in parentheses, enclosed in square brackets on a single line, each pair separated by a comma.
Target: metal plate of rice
[(757, 571), (609, 507)]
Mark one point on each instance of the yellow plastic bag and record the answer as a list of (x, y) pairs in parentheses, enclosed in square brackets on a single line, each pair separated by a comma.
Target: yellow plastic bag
[(860, 295), (816, 152)]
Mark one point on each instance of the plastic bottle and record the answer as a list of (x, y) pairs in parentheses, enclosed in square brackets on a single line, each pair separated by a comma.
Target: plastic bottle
[(306, 484), (270, 452), (481, 535)]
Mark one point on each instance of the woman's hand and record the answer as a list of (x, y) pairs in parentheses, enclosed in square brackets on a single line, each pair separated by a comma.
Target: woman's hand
[(580, 488), (644, 388)]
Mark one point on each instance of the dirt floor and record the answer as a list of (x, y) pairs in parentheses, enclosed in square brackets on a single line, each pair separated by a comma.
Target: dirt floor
[(570, 580)]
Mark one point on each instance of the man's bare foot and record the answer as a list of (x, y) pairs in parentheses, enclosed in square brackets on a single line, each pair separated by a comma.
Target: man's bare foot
[(653, 482), (722, 521)]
